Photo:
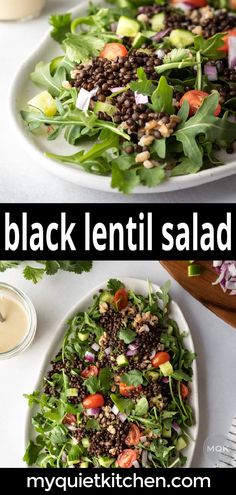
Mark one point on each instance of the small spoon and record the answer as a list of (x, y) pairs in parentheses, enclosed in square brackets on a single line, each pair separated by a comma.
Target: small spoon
[(2, 319)]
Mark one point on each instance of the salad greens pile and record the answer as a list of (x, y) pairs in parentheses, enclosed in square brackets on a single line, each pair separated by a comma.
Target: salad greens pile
[(104, 403), (36, 273), (188, 64)]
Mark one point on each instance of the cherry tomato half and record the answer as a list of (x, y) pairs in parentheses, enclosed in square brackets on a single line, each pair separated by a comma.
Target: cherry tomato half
[(193, 3), (121, 299), (125, 390), (184, 390), (160, 358), (127, 458), (195, 99), (69, 419), (93, 400), (133, 436), (225, 47), (90, 371), (113, 50)]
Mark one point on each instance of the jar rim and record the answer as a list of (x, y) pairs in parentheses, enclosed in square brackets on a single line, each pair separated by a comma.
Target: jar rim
[(32, 325)]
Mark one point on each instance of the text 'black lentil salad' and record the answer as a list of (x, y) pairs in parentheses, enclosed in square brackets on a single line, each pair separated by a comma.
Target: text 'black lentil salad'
[(117, 392), (151, 88)]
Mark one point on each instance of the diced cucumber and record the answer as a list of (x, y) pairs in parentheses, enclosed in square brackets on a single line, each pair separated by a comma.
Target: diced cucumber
[(45, 103), (153, 375), (166, 432), (106, 296), (83, 336), (85, 442), (84, 464), (166, 368), (72, 392), (105, 107), (105, 462), (139, 40), (181, 38), (127, 27), (180, 444), (158, 22), (122, 360)]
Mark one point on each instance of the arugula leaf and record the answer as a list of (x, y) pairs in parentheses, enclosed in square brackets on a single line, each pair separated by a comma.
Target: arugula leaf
[(124, 405), (114, 285), (61, 26), (127, 335), (151, 177), (159, 147), (162, 97), (42, 77), (124, 180), (210, 47), (32, 453), (186, 166), (143, 86), (32, 398), (164, 294), (141, 407), (133, 377), (181, 375), (33, 274)]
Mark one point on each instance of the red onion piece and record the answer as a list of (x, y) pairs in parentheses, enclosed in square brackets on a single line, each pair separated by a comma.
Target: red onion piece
[(210, 71), (115, 90), (165, 379), (176, 427), (140, 99), (64, 457), (133, 347), (94, 411), (115, 410), (158, 36), (89, 356), (95, 347), (160, 53), (132, 353), (143, 439), (136, 464), (71, 427), (226, 271), (232, 52), (122, 417), (144, 458), (108, 351), (84, 98)]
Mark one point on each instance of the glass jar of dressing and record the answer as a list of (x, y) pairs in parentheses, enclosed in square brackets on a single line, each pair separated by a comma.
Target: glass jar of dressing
[(18, 321), (14, 10)]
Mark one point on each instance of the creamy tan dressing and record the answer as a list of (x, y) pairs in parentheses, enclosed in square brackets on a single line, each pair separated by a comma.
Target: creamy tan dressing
[(16, 322), (11, 10)]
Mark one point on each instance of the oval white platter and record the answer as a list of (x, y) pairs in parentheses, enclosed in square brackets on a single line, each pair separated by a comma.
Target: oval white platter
[(141, 287), (22, 91)]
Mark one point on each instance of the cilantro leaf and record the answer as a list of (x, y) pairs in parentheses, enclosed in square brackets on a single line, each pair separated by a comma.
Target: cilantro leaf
[(33, 274), (133, 377), (61, 26), (101, 383), (124, 180), (124, 405), (114, 285), (32, 453), (127, 335), (141, 408), (81, 47), (5, 265), (210, 47), (58, 435), (162, 97), (92, 424), (92, 384), (151, 177), (181, 375)]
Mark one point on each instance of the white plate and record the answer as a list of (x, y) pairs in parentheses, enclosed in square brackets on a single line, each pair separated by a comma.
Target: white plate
[(139, 286), (22, 90)]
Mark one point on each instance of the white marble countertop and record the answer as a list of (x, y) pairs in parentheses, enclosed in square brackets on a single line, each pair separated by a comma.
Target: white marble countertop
[(22, 180), (215, 344)]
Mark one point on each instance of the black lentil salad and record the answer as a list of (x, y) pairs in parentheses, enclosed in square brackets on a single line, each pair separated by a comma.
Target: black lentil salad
[(151, 89), (117, 392)]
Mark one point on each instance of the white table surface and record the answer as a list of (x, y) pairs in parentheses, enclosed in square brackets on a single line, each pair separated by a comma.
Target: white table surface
[(215, 344), (22, 180)]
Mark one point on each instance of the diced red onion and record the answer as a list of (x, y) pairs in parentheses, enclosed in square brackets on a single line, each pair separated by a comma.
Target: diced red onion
[(232, 52), (94, 411), (158, 36), (95, 347), (64, 457), (89, 356), (84, 98), (115, 410), (184, 5), (165, 379), (108, 351), (140, 99), (136, 464), (226, 271), (176, 427), (71, 427), (114, 26), (133, 347), (144, 457), (115, 90), (153, 353), (149, 456), (132, 353), (143, 439), (122, 417), (210, 71)]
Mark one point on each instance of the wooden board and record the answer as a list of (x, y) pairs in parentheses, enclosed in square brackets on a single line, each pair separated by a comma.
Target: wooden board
[(212, 296)]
